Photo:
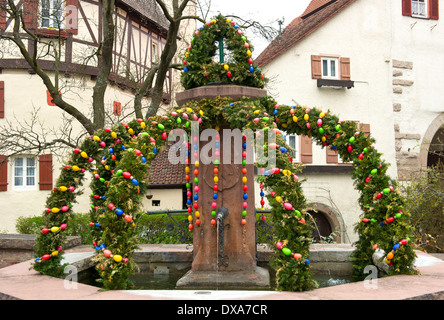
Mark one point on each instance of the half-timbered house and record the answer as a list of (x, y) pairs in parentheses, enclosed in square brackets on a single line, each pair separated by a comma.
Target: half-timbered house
[(69, 36)]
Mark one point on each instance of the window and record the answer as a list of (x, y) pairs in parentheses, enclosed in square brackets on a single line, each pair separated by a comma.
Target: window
[(154, 52), (51, 14), (293, 142), (421, 8), (24, 171), (329, 68)]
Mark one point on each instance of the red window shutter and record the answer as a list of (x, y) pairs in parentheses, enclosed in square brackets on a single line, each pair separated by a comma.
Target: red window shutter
[(2, 99), (71, 17), (2, 14), (434, 9), (316, 68), (30, 13), (365, 128), (306, 149), (345, 68), (332, 155), (406, 7), (45, 172), (50, 100), (117, 108), (3, 173)]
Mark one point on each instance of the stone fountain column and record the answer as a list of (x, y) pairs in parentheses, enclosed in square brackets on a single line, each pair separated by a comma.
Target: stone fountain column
[(226, 260)]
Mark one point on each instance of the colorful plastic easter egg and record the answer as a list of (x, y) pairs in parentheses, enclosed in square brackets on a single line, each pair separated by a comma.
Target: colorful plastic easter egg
[(46, 257), (286, 251), (386, 190), (55, 229), (126, 174), (128, 218), (297, 256), (374, 171), (107, 253), (117, 258), (295, 119), (390, 255), (279, 245), (45, 230), (288, 206)]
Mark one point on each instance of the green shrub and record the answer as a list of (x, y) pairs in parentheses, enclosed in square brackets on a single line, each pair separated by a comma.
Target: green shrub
[(425, 204), (161, 228)]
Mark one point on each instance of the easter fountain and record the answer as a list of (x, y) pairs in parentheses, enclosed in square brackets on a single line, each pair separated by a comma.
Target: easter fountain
[(221, 98)]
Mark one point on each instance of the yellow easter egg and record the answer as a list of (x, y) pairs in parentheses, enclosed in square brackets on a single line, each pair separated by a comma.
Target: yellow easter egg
[(96, 138), (114, 135), (189, 110), (197, 214), (248, 52), (306, 117), (279, 199), (321, 115), (201, 113), (117, 258), (295, 119), (55, 229), (63, 188), (324, 139), (285, 171), (244, 179), (216, 179), (187, 169), (54, 253), (196, 164), (226, 67), (130, 131), (84, 154), (284, 125), (143, 125), (190, 218), (75, 168), (55, 210)]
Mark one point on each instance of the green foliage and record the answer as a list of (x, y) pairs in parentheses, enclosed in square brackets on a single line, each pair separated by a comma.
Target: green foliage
[(154, 228), (200, 68), (425, 205), (79, 226)]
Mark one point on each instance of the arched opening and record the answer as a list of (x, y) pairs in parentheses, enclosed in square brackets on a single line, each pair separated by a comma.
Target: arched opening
[(322, 229), (329, 225), (432, 141), (436, 150)]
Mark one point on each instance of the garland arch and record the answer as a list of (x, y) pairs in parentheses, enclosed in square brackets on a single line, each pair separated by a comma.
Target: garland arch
[(120, 157)]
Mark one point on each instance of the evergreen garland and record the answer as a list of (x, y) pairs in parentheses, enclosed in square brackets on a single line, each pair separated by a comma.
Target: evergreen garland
[(238, 69)]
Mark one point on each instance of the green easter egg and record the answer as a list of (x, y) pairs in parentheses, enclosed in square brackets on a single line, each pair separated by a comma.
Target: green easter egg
[(161, 126), (286, 251), (374, 171)]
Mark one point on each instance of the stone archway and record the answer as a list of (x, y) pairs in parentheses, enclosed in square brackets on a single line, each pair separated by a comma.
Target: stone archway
[(432, 132), (328, 220)]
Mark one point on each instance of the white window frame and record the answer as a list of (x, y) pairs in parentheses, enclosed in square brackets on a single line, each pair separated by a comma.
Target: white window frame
[(25, 174), (154, 51), (297, 147), (52, 15), (329, 61), (417, 4)]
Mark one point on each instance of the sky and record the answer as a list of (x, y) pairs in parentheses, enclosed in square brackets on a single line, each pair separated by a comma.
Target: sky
[(264, 11)]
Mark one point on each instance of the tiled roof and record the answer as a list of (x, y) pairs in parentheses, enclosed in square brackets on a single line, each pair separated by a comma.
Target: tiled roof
[(149, 10), (164, 173), (317, 13)]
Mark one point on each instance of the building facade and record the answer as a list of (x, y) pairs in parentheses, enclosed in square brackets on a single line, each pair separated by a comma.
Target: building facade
[(68, 34), (375, 62)]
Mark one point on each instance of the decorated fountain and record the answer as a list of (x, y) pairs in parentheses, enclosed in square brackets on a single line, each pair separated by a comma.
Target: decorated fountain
[(222, 114)]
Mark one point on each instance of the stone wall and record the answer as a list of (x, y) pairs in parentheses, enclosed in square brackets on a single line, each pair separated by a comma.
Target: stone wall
[(407, 153)]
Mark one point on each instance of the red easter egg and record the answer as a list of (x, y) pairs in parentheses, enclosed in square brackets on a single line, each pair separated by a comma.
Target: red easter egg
[(127, 175), (45, 230), (46, 256)]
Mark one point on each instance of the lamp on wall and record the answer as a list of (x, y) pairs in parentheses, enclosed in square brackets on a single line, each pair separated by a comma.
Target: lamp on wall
[(149, 195)]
